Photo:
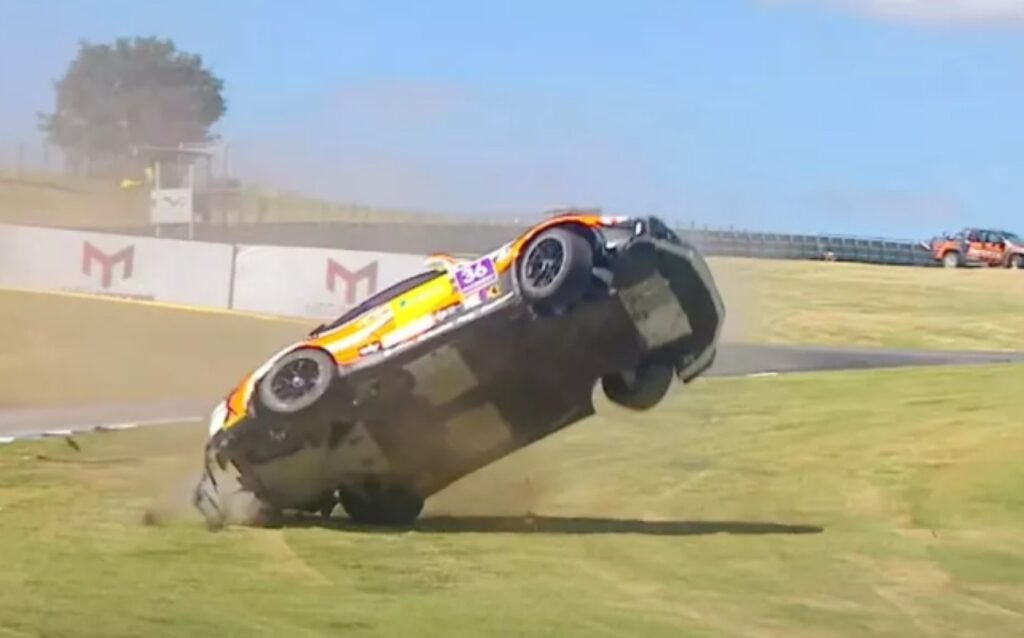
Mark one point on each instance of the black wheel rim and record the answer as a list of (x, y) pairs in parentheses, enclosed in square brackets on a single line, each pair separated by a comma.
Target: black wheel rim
[(544, 262), (294, 380)]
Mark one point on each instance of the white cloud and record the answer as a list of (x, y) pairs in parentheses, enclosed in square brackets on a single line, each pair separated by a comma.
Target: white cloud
[(943, 12)]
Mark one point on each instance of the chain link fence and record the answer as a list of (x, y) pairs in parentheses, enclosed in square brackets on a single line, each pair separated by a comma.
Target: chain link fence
[(23, 157)]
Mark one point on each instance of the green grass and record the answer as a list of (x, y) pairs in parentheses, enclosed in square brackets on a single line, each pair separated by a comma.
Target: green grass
[(904, 487), (857, 304)]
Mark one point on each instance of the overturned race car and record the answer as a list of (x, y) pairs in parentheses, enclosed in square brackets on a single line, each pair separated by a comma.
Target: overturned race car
[(460, 365)]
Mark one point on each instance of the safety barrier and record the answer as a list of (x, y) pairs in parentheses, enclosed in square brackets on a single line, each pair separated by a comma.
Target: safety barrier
[(170, 270), (318, 281), (474, 238), (288, 281), (810, 247)]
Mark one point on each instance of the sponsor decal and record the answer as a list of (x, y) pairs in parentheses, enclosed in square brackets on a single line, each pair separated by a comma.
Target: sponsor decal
[(350, 279), (491, 292), (95, 260), (613, 220), (444, 313), (370, 348), (408, 331)]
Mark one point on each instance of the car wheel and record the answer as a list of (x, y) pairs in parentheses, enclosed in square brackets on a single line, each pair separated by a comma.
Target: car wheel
[(297, 381), (555, 269), (639, 389), (951, 259), (385, 506), (1017, 262)]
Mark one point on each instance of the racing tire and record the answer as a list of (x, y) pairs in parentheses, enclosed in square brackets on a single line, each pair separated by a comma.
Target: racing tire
[(555, 269), (296, 382), (951, 259), (1017, 262), (390, 506), (640, 389)]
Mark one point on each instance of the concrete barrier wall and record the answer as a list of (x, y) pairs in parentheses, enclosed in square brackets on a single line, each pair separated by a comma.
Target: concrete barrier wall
[(314, 282), (289, 281), (186, 272)]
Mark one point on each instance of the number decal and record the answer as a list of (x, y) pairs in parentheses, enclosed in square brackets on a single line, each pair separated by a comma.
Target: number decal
[(476, 275)]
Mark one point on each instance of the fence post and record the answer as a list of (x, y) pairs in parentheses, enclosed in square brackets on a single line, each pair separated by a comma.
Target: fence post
[(231, 280)]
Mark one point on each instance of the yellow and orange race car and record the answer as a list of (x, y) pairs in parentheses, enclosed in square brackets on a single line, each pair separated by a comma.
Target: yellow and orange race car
[(462, 364)]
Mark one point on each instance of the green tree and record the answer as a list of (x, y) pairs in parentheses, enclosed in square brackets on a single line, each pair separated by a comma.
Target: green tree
[(135, 92)]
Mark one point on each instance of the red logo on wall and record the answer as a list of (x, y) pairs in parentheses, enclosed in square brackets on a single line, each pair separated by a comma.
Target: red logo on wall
[(351, 278), (91, 255)]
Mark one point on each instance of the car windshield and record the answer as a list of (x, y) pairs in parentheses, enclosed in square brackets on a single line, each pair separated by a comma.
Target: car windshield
[(1011, 237), (381, 297)]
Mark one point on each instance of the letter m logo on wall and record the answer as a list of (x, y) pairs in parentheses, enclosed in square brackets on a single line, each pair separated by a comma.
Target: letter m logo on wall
[(351, 278), (94, 259)]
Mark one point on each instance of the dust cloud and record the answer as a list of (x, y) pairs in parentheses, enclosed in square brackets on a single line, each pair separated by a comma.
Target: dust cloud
[(740, 283)]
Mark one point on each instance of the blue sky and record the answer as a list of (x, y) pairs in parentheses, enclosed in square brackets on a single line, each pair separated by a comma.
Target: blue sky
[(862, 116)]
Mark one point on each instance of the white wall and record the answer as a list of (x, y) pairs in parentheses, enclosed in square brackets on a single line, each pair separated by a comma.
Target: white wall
[(314, 282), (194, 273), (294, 281)]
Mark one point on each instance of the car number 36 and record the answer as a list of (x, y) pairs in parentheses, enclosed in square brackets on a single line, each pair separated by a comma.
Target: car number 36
[(475, 273)]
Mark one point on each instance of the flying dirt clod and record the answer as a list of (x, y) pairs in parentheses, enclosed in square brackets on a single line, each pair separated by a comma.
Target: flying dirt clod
[(458, 366)]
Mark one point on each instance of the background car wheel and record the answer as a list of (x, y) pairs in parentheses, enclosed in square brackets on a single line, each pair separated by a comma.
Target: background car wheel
[(297, 381), (387, 506), (951, 259), (639, 389), (555, 269)]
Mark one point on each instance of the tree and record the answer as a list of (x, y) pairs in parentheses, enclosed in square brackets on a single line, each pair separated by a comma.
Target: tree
[(140, 91)]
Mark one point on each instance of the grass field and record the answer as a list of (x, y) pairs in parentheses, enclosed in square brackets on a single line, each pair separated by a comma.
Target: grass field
[(859, 304), (881, 503)]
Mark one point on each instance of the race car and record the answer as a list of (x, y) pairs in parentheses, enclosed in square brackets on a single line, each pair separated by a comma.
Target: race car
[(462, 364), (978, 247)]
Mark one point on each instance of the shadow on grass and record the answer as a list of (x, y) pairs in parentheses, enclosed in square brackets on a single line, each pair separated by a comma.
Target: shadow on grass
[(563, 525)]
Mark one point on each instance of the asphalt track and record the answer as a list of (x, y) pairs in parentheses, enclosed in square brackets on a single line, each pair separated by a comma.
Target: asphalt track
[(733, 360)]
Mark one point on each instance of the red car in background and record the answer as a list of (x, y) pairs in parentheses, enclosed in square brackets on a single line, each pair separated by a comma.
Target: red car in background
[(978, 247)]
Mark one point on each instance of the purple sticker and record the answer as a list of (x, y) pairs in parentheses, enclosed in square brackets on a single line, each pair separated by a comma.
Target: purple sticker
[(477, 274)]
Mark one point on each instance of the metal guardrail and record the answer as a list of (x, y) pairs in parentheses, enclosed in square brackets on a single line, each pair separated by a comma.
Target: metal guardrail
[(475, 238), (810, 247)]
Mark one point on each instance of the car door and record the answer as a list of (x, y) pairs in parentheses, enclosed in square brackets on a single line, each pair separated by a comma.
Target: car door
[(975, 246), (997, 248)]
